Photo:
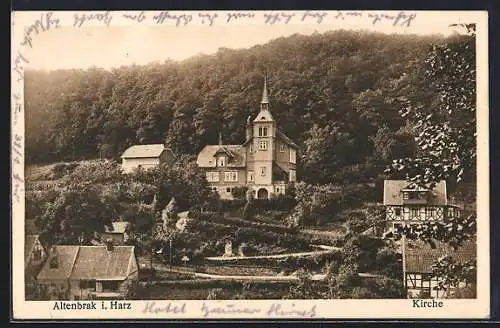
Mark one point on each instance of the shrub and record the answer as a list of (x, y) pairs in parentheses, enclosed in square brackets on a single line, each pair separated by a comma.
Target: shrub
[(239, 192), (61, 169)]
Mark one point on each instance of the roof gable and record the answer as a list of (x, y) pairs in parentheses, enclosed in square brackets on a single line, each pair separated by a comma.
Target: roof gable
[(144, 151), (206, 156), (264, 116), (393, 192), (118, 227), (224, 150), (29, 243), (66, 256)]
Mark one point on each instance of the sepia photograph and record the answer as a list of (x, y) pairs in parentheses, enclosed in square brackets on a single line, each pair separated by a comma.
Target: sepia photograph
[(248, 156)]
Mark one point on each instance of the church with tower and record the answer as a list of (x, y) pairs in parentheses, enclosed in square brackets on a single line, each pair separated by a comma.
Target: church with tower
[(265, 162)]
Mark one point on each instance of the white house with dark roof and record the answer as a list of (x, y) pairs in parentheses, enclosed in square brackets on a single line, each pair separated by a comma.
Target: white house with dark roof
[(145, 156), (265, 162), (408, 204), (118, 232), (88, 272)]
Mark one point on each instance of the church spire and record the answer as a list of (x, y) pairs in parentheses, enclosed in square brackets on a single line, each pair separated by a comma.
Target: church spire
[(265, 99), (220, 138), (264, 114)]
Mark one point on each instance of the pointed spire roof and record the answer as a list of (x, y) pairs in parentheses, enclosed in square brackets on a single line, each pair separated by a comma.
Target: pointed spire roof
[(265, 98), (264, 115)]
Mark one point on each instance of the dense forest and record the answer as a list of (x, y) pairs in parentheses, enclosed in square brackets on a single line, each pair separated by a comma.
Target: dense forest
[(337, 94)]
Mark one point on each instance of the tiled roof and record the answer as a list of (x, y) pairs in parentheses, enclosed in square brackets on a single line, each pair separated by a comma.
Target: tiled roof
[(144, 151), (206, 156), (393, 192), (88, 262), (94, 262), (66, 256), (286, 139), (118, 227), (29, 242), (419, 257)]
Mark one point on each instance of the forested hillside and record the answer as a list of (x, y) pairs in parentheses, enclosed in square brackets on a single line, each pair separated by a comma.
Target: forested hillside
[(337, 94)]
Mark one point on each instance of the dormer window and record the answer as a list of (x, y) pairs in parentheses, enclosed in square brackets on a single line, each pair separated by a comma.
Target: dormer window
[(54, 263)]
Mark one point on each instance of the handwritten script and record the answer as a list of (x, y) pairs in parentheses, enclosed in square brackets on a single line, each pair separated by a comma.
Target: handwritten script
[(275, 310), (17, 155)]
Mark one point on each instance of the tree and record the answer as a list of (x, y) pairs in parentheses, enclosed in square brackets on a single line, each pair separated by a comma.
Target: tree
[(74, 217), (316, 204), (446, 141), (447, 125), (326, 150), (455, 276), (128, 289), (305, 288)]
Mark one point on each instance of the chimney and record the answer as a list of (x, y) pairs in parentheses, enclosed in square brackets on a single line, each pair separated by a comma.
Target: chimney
[(109, 245)]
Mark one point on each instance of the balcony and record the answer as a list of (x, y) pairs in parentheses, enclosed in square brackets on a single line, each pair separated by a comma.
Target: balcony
[(415, 201)]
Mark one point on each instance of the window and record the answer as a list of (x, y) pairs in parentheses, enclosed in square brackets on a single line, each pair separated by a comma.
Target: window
[(213, 176), (37, 254), (292, 155), (397, 211), (414, 213), (110, 285), (263, 145), (228, 190), (87, 284), (282, 148), (277, 190), (263, 171), (293, 176), (250, 176), (405, 196), (251, 147), (221, 161), (231, 176), (430, 212), (54, 263), (263, 132)]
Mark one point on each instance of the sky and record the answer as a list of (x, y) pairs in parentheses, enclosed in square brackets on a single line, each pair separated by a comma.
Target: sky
[(126, 42)]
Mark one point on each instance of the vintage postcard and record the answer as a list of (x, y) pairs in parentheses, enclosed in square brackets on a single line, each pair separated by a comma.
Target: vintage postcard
[(250, 165)]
